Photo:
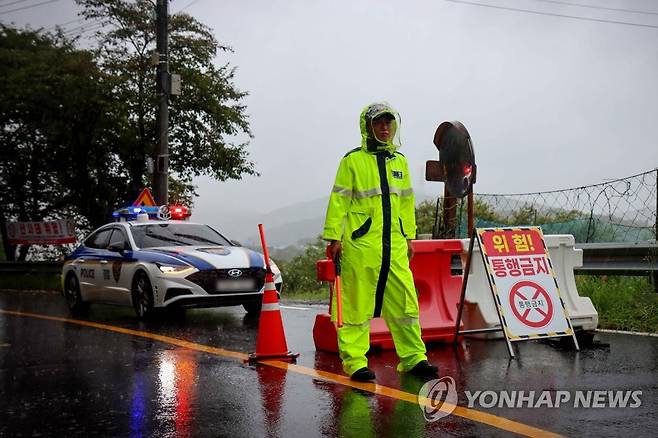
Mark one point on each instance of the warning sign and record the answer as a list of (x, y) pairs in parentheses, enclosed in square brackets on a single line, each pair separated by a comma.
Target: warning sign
[(523, 282), (145, 199)]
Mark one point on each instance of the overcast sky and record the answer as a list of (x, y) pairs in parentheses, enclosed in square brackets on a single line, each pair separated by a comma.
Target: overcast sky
[(550, 102)]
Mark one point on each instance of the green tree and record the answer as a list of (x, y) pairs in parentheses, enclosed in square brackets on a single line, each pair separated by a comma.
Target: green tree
[(425, 214), (484, 211), (78, 126), (52, 109), (530, 215), (299, 273), (208, 110), (525, 215)]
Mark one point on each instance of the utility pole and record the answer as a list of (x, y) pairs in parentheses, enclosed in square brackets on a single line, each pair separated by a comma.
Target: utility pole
[(161, 156)]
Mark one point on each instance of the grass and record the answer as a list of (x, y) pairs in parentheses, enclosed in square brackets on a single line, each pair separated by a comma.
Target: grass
[(623, 303), (32, 281), (320, 296)]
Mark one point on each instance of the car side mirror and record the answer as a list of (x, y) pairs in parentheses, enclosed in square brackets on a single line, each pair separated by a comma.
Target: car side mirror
[(117, 247), (236, 243)]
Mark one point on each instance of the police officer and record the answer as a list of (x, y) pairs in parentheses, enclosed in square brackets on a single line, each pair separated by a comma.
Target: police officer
[(370, 223)]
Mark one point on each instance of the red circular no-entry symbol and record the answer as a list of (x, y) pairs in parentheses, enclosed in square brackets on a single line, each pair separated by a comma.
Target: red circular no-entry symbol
[(531, 304)]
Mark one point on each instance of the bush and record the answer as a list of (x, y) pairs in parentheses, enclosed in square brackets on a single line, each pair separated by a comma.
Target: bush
[(299, 273)]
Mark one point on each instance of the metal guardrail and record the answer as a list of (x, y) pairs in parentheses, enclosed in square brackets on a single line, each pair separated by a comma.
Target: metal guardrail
[(623, 258), (619, 258)]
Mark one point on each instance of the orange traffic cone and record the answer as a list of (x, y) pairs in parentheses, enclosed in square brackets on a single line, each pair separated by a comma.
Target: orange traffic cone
[(271, 339)]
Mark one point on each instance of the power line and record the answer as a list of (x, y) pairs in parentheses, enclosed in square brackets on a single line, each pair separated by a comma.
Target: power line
[(29, 7), (575, 17), (87, 27), (64, 24), (83, 25), (91, 30), (633, 11), (187, 6), (13, 3), (70, 22)]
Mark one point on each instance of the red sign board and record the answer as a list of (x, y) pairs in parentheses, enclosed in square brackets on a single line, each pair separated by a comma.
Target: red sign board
[(513, 242), (41, 233)]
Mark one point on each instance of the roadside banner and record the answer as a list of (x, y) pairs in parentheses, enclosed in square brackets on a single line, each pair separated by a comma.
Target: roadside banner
[(41, 233), (523, 283)]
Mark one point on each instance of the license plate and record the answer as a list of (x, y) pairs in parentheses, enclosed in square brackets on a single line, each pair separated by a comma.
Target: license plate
[(236, 285)]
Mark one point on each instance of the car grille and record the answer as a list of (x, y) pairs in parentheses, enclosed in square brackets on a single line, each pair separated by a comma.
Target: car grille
[(174, 292), (208, 279)]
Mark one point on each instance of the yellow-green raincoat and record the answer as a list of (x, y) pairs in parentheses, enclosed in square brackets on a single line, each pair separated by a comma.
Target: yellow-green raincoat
[(371, 210)]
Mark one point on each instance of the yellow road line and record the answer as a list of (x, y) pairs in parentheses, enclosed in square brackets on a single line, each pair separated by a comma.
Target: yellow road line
[(125, 331), (459, 411)]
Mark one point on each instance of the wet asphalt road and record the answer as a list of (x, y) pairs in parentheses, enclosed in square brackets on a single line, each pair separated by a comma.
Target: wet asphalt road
[(63, 379)]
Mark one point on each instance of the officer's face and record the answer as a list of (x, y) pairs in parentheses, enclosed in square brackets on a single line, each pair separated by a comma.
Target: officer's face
[(382, 128)]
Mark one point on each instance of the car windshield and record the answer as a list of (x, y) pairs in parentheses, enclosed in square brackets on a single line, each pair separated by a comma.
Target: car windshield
[(150, 236)]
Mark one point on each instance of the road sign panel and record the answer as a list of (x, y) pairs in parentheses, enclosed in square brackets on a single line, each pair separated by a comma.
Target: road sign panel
[(523, 282)]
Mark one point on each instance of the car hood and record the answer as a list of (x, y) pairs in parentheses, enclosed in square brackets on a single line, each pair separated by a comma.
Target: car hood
[(213, 257)]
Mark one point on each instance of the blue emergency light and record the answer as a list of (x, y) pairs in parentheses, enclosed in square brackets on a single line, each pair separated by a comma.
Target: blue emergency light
[(130, 213)]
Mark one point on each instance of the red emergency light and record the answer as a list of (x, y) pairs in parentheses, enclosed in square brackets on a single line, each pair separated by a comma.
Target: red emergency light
[(179, 212)]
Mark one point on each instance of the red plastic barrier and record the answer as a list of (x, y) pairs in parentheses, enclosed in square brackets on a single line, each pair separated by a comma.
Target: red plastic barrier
[(438, 298)]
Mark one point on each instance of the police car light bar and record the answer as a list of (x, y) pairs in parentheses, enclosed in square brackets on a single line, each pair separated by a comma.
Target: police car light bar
[(131, 213)]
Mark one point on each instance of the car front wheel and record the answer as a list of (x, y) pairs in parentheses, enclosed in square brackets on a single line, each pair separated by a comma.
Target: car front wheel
[(76, 306), (143, 296)]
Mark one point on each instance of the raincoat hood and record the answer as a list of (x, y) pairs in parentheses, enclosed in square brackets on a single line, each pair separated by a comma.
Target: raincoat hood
[(369, 142)]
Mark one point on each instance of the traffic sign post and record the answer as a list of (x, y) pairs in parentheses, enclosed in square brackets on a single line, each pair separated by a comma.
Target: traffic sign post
[(523, 285)]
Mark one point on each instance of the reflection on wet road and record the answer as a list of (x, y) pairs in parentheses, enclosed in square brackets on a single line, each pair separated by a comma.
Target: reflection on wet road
[(184, 377)]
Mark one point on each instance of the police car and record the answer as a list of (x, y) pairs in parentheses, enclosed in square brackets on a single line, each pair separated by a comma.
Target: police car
[(151, 264)]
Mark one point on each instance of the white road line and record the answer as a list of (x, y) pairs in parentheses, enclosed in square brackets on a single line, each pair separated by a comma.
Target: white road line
[(295, 308), (624, 332)]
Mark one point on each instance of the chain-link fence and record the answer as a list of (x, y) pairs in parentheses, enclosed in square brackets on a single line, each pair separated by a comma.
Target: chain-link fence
[(623, 210)]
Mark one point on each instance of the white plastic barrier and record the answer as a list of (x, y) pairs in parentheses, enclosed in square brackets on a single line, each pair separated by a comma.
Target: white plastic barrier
[(480, 311)]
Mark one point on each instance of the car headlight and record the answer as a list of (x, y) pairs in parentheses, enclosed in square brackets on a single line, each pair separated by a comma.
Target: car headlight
[(173, 269)]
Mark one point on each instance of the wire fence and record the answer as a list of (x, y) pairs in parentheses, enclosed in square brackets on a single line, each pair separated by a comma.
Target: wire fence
[(623, 210)]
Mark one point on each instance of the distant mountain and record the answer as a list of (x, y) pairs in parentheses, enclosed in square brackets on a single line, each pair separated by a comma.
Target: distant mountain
[(297, 233), (296, 224)]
